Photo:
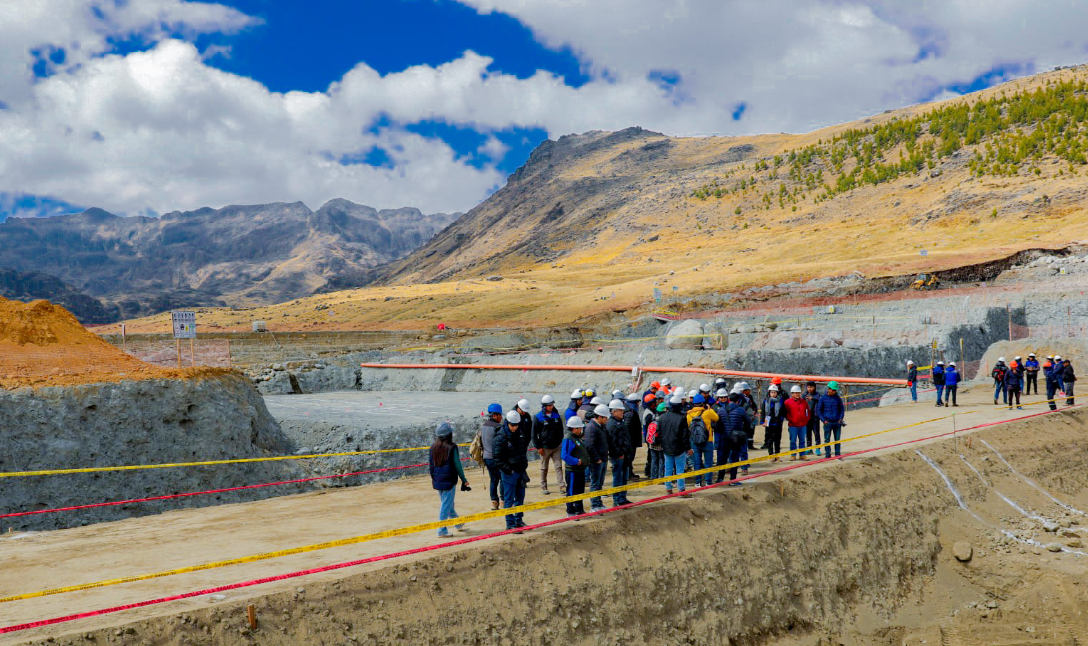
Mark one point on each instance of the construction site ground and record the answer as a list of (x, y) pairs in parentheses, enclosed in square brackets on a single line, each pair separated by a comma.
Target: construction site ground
[(36, 561)]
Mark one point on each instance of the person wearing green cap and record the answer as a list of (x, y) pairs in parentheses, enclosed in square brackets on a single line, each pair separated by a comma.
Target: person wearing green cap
[(444, 464), (832, 411), (656, 455)]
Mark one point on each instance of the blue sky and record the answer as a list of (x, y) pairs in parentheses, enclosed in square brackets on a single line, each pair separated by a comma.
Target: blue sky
[(146, 106)]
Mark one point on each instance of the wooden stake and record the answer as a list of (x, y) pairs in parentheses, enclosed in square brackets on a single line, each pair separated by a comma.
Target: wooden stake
[(968, 441), (230, 362), (251, 614), (782, 488)]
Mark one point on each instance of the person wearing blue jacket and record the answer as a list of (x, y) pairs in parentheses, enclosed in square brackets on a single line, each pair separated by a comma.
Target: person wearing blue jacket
[(832, 412), (1051, 382), (938, 381), (1031, 370), (1012, 388), (1058, 372), (576, 398), (951, 384), (577, 456)]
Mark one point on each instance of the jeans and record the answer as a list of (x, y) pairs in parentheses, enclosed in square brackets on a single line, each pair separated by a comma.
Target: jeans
[(704, 458), (674, 466), (656, 463), (950, 394), (496, 480), (445, 508), (999, 389), (553, 456), (596, 483), (914, 391), (813, 435), (833, 429), (940, 393), (797, 437), (513, 494), (619, 478), (1051, 393), (576, 484)]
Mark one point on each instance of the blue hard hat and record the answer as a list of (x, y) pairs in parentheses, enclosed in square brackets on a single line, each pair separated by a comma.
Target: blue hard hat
[(698, 399), (494, 408)]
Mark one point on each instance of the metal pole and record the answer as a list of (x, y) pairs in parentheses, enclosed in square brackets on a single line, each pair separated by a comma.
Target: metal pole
[(177, 346), (1008, 313), (192, 353), (230, 361)]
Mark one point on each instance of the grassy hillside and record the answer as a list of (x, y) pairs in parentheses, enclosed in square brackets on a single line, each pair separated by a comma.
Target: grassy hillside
[(594, 222)]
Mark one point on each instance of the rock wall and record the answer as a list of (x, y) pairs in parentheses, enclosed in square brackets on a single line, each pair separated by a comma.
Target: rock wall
[(135, 422)]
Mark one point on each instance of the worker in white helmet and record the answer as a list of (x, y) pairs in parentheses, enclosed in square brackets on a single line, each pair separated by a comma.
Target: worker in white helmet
[(547, 438), (511, 447), (912, 380), (998, 375), (596, 440)]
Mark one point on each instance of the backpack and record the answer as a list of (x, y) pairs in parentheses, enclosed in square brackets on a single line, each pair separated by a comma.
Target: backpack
[(998, 373), (651, 433), (699, 434), (476, 449)]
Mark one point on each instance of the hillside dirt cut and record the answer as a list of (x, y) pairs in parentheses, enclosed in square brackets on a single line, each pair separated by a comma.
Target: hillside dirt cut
[(42, 344)]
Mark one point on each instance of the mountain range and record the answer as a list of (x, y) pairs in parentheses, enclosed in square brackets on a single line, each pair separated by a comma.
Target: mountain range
[(237, 255)]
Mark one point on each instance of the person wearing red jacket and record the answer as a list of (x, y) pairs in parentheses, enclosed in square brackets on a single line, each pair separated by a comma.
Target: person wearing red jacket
[(797, 417)]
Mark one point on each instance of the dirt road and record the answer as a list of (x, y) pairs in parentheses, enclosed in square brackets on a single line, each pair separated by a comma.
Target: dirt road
[(32, 562)]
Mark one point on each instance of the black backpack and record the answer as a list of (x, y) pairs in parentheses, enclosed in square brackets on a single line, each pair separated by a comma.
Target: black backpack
[(699, 433)]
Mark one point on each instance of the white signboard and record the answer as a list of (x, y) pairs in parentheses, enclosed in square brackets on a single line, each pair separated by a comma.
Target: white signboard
[(184, 324)]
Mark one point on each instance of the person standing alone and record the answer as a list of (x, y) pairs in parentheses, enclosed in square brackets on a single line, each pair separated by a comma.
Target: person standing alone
[(912, 380), (1070, 378), (444, 465)]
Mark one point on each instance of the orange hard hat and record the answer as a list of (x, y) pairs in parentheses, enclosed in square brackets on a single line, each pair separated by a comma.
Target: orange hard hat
[(656, 385), (777, 381)]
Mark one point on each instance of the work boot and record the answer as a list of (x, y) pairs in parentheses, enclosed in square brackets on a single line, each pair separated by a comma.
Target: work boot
[(494, 504)]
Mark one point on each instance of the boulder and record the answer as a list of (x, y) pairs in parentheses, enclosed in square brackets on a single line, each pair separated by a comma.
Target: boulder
[(330, 379), (820, 341), (1053, 547), (782, 341), (717, 335), (963, 551), (684, 335)]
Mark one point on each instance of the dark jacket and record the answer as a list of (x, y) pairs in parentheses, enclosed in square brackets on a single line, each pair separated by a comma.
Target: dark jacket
[(830, 408), (634, 426), (510, 450), (445, 477), (1012, 380), (812, 398), (952, 377), (583, 409), (1068, 376), (912, 374), (1057, 373), (774, 409), (734, 423), (547, 430), (938, 376), (596, 439), (673, 433), (573, 450), (487, 435), (998, 373), (619, 442)]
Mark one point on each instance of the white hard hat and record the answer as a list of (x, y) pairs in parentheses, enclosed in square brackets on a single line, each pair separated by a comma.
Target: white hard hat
[(523, 404), (616, 404), (737, 389), (1016, 359), (744, 385), (940, 363), (773, 387), (577, 394), (666, 381), (679, 392), (1001, 359), (909, 362), (633, 397), (596, 401), (547, 399), (1057, 357), (705, 388), (575, 422), (1031, 354), (795, 389), (617, 394), (952, 365), (721, 393), (676, 400), (513, 417), (719, 380), (600, 411)]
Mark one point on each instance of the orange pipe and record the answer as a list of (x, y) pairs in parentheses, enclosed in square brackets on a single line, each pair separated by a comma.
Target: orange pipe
[(628, 369)]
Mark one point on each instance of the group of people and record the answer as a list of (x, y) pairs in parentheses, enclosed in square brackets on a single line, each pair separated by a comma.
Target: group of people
[(682, 429), (1018, 375)]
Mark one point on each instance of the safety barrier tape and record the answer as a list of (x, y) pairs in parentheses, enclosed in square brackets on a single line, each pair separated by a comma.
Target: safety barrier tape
[(138, 467), (463, 541), (412, 529), (211, 491)]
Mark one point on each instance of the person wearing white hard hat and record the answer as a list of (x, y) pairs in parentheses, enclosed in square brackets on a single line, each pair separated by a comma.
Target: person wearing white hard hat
[(511, 448), (666, 385), (547, 438), (912, 380), (998, 375), (797, 418), (748, 403), (773, 413), (577, 456), (597, 441), (1059, 372), (675, 439), (619, 448), (937, 377), (575, 403), (952, 384), (1031, 374), (522, 407)]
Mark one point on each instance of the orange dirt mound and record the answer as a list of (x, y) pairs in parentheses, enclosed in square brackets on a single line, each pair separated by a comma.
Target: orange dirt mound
[(42, 344)]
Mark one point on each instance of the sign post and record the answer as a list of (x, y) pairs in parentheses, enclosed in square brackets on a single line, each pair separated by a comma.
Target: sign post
[(184, 324)]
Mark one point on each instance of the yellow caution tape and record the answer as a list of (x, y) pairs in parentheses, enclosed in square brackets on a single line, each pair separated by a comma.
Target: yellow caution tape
[(412, 529), (137, 467)]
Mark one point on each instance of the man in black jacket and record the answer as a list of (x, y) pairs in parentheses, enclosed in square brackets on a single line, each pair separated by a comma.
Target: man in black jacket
[(547, 438), (596, 440), (511, 446), (675, 438), (1069, 378), (619, 449), (634, 431)]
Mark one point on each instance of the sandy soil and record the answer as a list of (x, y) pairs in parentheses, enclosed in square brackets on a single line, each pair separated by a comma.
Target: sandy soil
[(188, 537)]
